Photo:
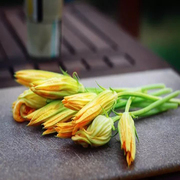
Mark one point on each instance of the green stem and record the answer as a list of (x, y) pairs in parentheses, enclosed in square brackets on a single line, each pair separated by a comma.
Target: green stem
[(161, 92), (156, 104), (138, 100), (145, 96), (152, 86), (165, 105), (128, 104), (115, 118), (142, 88), (154, 112)]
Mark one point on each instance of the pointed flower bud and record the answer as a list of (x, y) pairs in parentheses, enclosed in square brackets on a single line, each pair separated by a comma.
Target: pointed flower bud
[(78, 101), (127, 133), (64, 130), (63, 116), (45, 113), (26, 103), (102, 102), (26, 77), (21, 110), (32, 100), (49, 131), (57, 87), (98, 132)]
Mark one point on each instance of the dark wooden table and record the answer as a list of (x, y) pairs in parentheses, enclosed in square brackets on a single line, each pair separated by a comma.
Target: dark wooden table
[(93, 45)]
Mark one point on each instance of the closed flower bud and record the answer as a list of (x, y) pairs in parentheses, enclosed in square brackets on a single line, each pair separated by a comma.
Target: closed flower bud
[(98, 132), (32, 100), (57, 87), (64, 130), (21, 110), (127, 130), (45, 113), (26, 103), (78, 101), (102, 102), (62, 116), (26, 77)]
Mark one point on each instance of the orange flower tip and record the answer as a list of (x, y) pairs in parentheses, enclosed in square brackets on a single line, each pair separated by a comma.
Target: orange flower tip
[(30, 124), (44, 133)]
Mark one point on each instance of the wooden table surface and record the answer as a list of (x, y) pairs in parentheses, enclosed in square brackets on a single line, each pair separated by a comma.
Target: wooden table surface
[(92, 45)]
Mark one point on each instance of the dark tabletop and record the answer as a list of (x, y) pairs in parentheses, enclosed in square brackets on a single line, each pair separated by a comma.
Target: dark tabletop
[(25, 154)]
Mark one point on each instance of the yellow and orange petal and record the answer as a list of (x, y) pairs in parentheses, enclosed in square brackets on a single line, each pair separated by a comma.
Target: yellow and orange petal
[(26, 77), (78, 101), (101, 103), (20, 111), (127, 136), (64, 130)]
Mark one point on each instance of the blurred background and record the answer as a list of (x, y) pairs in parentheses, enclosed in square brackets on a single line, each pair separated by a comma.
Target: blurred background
[(156, 24)]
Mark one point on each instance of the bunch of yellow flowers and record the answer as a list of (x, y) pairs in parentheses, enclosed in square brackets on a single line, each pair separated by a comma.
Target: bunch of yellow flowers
[(62, 105)]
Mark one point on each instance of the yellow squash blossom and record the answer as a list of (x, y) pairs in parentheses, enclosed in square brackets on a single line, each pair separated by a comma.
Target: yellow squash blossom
[(98, 132), (62, 116), (127, 132), (57, 87), (27, 103), (65, 129), (78, 101), (102, 102), (26, 77), (21, 110), (32, 100), (45, 113)]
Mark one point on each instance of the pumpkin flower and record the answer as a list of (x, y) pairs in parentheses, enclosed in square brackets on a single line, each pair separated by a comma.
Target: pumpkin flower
[(26, 77), (57, 87), (62, 116), (26, 103), (32, 100), (21, 110), (127, 134), (65, 129), (101, 103), (98, 132), (45, 113), (78, 101)]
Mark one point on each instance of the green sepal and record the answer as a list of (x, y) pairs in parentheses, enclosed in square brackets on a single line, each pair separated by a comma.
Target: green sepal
[(112, 89), (63, 72), (75, 76), (100, 86), (105, 112), (136, 134), (115, 133), (118, 114)]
